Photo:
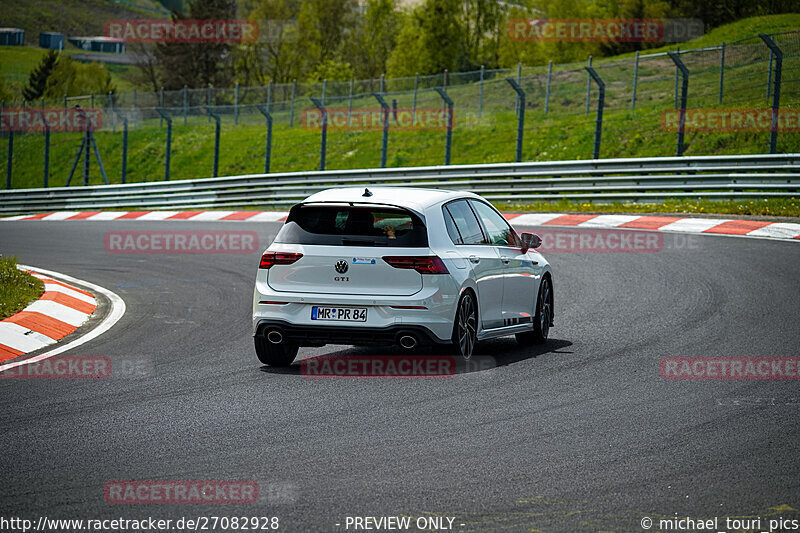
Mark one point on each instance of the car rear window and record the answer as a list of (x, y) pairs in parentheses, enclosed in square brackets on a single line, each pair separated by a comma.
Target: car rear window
[(336, 225)]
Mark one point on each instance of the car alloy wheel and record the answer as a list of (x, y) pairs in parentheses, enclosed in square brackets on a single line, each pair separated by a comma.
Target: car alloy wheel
[(466, 326)]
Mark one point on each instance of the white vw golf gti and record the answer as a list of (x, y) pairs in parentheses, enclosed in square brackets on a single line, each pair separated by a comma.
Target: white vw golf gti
[(399, 266)]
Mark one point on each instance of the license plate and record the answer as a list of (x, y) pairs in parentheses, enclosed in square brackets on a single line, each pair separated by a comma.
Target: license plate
[(339, 314)]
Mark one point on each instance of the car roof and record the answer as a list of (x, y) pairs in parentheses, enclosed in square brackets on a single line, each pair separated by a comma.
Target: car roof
[(410, 197)]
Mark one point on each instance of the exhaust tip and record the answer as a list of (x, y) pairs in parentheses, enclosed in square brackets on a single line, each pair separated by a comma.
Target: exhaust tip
[(408, 342), (274, 336)]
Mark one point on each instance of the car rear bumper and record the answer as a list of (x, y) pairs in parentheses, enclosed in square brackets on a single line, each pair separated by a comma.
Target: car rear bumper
[(432, 309), (312, 335)]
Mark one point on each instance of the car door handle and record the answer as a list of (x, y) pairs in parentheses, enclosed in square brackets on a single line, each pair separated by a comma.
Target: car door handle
[(505, 259), (474, 259)]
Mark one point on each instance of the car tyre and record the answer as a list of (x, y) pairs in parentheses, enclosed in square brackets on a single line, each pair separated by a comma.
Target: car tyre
[(274, 354), (543, 317), (465, 329)]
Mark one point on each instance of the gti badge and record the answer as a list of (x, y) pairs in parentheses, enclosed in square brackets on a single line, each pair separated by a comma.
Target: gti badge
[(341, 267)]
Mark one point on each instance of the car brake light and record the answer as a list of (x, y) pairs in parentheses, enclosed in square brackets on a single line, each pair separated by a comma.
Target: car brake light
[(425, 264), (270, 259)]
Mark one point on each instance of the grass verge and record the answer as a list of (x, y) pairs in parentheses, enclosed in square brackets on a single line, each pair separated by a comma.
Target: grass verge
[(17, 288), (778, 207)]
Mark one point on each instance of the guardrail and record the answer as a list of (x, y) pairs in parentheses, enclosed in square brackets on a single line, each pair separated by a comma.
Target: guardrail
[(598, 180)]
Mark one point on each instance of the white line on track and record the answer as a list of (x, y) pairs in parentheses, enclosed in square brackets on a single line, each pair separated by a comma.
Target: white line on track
[(117, 310)]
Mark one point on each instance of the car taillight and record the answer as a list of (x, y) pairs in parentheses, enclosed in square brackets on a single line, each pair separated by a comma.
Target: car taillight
[(425, 264), (278, 258)]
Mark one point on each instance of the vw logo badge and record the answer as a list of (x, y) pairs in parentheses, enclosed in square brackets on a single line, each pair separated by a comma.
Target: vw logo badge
[(341, 267)]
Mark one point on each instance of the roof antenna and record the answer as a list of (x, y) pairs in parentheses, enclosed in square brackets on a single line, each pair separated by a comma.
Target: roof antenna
[(367, 192)]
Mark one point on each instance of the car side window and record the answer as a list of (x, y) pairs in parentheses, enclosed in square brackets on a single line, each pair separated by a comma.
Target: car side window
[(452, 230), (500, 232), (465, 222)]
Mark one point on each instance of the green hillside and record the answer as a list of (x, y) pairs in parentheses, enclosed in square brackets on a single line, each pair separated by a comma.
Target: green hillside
[(72, 17), (565, 132)]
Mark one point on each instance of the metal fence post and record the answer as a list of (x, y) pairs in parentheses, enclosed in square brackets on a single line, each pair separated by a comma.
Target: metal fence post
[(598, 128), (208, 98), (721, 70), (268, 149), (414, 105), (111, 106), (324, 137), (86, 153), (385, 136), (291, 110), (635, 79), (521, 116), (444, 86), (169, 141), (87, 144), (324, 90), (185, 103), (589, 87), (350, 100), (769, 73), (449, 138), (236, 104), (519, 79), (10, 158), (547, 89), (679, 66), (124, 144), (776, 90), (46, 146), (216, 139), (480, 100), (269, 96), (677, 72)]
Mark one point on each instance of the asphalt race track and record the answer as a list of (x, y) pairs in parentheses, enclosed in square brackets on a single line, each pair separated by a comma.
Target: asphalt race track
[(582, 435)]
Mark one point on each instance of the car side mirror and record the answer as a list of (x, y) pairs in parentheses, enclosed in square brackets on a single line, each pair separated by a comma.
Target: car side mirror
[(530, 240)]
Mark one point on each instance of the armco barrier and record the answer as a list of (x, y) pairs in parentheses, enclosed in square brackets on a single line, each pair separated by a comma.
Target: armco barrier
[(599, 180)]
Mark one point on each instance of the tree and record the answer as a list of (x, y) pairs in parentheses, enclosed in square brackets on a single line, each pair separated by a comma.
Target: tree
[(275, 55), (331, 70), (37, 81), (482, 21), (147, 72), (430, 40), (373, 39), (71, 78), (198, 64), (324, 26), (6, 94)]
